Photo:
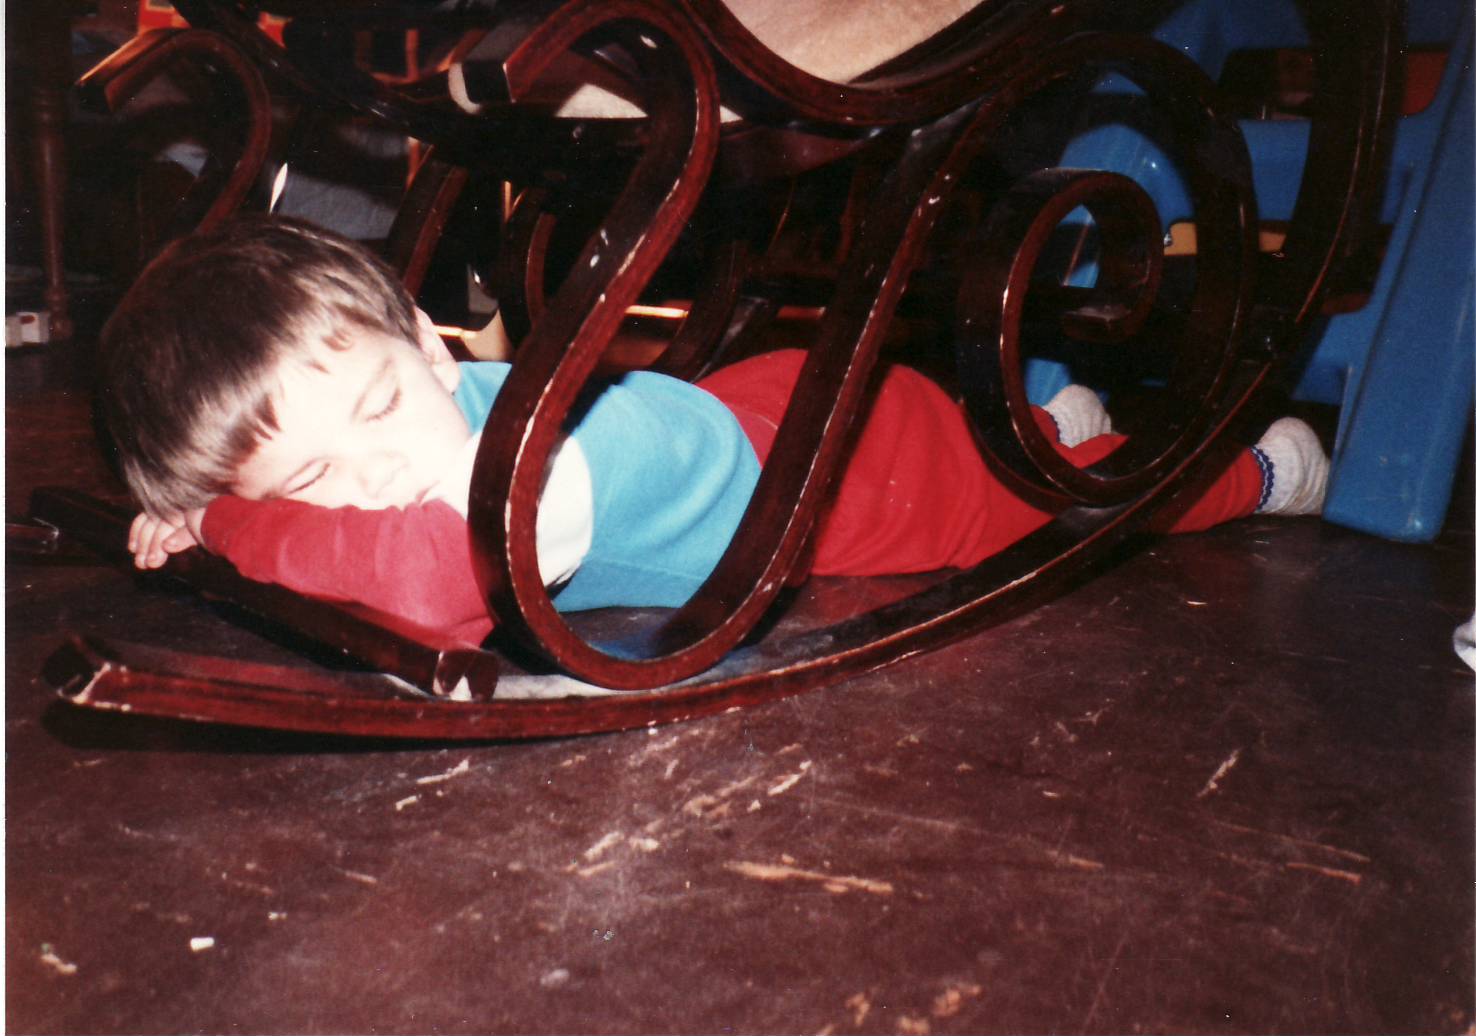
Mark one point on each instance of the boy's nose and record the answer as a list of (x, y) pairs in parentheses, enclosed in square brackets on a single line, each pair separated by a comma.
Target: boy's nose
[(377, 471)]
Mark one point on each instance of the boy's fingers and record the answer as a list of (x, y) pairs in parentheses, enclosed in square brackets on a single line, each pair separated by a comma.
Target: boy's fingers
[(135, 531), (152, 539), (150, 552), (140, 540), (143, 552), (179, 539), (159, 544)]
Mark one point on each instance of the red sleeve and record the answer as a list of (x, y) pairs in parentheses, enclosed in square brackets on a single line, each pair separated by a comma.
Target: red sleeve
[(414, 562)]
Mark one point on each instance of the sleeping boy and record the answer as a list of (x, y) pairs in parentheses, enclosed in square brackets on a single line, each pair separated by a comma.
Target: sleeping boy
[(276, 397)]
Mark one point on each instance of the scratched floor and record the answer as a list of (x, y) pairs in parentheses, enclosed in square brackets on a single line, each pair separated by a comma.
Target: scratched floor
[(1226, 787)]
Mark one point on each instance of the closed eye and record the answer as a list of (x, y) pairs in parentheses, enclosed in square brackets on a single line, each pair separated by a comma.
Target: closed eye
[(389, 407), (302, 487)]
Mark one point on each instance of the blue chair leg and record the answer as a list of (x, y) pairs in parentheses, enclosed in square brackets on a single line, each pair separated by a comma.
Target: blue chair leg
[(1402, 429)]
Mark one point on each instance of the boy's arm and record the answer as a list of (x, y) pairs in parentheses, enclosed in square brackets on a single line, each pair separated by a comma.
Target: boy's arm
[(414, 562)]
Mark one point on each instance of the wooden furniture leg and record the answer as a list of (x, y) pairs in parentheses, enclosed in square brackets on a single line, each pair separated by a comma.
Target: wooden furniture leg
[(46, 30)]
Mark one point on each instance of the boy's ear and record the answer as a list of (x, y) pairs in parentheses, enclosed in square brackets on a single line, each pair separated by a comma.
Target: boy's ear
[(443, 364)]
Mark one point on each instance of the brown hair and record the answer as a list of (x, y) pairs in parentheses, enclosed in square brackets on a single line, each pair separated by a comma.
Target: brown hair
[(189, 356)]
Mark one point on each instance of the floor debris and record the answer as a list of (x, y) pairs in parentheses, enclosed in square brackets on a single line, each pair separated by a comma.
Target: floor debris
[(831, 882)]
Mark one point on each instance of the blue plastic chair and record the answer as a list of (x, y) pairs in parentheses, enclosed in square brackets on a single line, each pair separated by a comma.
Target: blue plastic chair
[(1400, 367)]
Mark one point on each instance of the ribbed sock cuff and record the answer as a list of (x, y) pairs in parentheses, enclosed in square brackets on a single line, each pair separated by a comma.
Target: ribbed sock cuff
[(1268, 476)]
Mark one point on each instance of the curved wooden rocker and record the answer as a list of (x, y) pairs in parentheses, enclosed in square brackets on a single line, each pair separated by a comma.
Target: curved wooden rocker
[(916, 132)]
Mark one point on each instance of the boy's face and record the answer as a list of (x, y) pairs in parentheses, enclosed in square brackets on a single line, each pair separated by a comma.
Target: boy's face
[(371, 426)]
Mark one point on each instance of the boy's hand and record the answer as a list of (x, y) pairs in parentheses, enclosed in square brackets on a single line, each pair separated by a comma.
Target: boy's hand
[(151, 539)]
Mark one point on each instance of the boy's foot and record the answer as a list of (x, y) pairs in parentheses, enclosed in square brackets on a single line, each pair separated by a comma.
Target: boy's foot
[(1294, 469), (1079, 415)]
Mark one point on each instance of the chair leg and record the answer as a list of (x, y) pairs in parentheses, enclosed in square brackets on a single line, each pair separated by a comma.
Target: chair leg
[(50, 51)]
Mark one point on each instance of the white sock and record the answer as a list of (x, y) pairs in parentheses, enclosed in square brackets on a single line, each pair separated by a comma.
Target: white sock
[(1079, 415), (1294, 469), (1465, 642)]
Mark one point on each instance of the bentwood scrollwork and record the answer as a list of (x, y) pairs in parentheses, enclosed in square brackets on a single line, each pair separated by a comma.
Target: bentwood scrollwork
[(869, 203), (1115, 310)]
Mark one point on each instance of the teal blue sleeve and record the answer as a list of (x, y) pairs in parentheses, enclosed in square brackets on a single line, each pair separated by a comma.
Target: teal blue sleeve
[(672, 474), (477, 390)]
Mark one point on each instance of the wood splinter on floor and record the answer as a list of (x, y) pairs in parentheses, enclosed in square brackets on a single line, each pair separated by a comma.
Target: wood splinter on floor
[(1213, 784), (455, 771), (790, 780), (49, 957), (595, 851), (831, 882), (1352, 877), (1080, 863), (948, 1003)]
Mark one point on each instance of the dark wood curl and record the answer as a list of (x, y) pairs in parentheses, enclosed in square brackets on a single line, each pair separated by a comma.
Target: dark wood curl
[(563, 348), (431, 197), (997, 289), (521, 267), (222, 186)]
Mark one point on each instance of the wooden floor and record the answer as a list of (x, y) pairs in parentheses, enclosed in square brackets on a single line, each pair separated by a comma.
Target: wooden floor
[(1225, 787)]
